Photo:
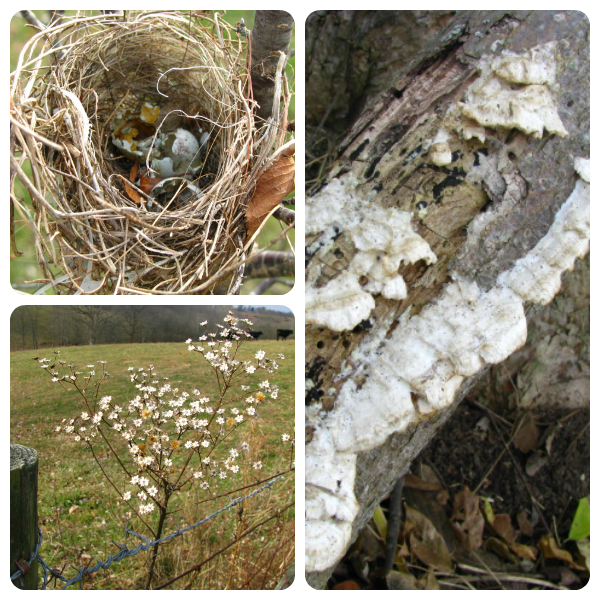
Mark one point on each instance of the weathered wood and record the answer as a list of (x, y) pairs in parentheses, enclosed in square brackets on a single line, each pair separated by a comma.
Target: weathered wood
[(23, 512)]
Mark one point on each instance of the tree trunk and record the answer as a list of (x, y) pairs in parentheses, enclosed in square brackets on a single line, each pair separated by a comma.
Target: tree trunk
[(456, 201)]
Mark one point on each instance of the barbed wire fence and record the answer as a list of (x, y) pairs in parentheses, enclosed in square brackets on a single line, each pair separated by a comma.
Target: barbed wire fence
[(124, 552)]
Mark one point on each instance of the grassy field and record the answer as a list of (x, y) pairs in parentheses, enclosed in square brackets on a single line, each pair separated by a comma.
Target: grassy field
[(81, 514)]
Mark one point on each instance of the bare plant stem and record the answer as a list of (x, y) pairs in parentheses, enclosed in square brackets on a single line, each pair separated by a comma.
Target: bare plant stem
[(154, 551)]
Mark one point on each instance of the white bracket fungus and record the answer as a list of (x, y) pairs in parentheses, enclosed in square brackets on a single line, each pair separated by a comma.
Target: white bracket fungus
[(513, 91), (440, 153), (420, 368), (383, 238)]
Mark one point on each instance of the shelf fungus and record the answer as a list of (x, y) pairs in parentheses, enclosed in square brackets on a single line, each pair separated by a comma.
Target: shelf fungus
[(384, 240), (440, 153), (420, 367), (513, 91)]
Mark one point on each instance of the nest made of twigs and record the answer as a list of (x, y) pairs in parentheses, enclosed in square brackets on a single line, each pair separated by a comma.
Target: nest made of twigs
[(94, 218)]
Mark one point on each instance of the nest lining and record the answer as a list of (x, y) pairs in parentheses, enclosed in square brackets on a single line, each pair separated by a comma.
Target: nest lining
[(92, 218)]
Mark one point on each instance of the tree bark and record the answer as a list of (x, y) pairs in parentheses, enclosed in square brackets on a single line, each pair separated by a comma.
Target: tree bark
[(353, 55), (271, 34), (483, 191)]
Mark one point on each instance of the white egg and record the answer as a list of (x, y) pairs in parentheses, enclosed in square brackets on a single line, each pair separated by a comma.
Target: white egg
[(182, 145)]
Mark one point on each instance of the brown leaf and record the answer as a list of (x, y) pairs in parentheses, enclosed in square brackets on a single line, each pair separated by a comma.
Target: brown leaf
[(426, 542), (416, 483), (550, 549), (271, 188), (131, 192), (525, 524), (349, 584), (527, 436), (468, 521), (148, 183), (503, 527), (134, 172)]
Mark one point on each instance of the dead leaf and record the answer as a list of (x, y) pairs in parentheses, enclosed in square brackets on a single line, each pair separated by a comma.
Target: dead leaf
[(550, 549), (349, 584), (524, 551), (134, 172), (131, 192), (503, 527), (527, 437), (416, 483), (271, 188), (525, 524), (467, 519), (426, 542), (148, 183), (73, 508)]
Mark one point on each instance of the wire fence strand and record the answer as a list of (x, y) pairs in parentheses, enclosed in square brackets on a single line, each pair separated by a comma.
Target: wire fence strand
[(124, 551)]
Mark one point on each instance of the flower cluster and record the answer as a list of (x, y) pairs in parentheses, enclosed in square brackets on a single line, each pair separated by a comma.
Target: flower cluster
[(171, 435)]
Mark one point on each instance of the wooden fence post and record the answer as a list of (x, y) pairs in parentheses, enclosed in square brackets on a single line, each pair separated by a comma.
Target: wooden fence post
[(23, 512)]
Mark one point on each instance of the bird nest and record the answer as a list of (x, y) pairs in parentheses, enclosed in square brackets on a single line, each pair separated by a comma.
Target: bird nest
[(143, 149)]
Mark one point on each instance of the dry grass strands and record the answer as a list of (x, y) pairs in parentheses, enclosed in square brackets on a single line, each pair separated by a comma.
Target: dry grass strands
[(104, 219)]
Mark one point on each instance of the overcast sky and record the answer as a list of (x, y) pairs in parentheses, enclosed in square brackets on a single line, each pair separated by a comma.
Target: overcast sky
[(277, 307)]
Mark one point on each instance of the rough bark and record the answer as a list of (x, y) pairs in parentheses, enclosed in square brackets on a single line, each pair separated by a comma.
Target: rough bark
[(353, 55), (271, 34), (390, 153)]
